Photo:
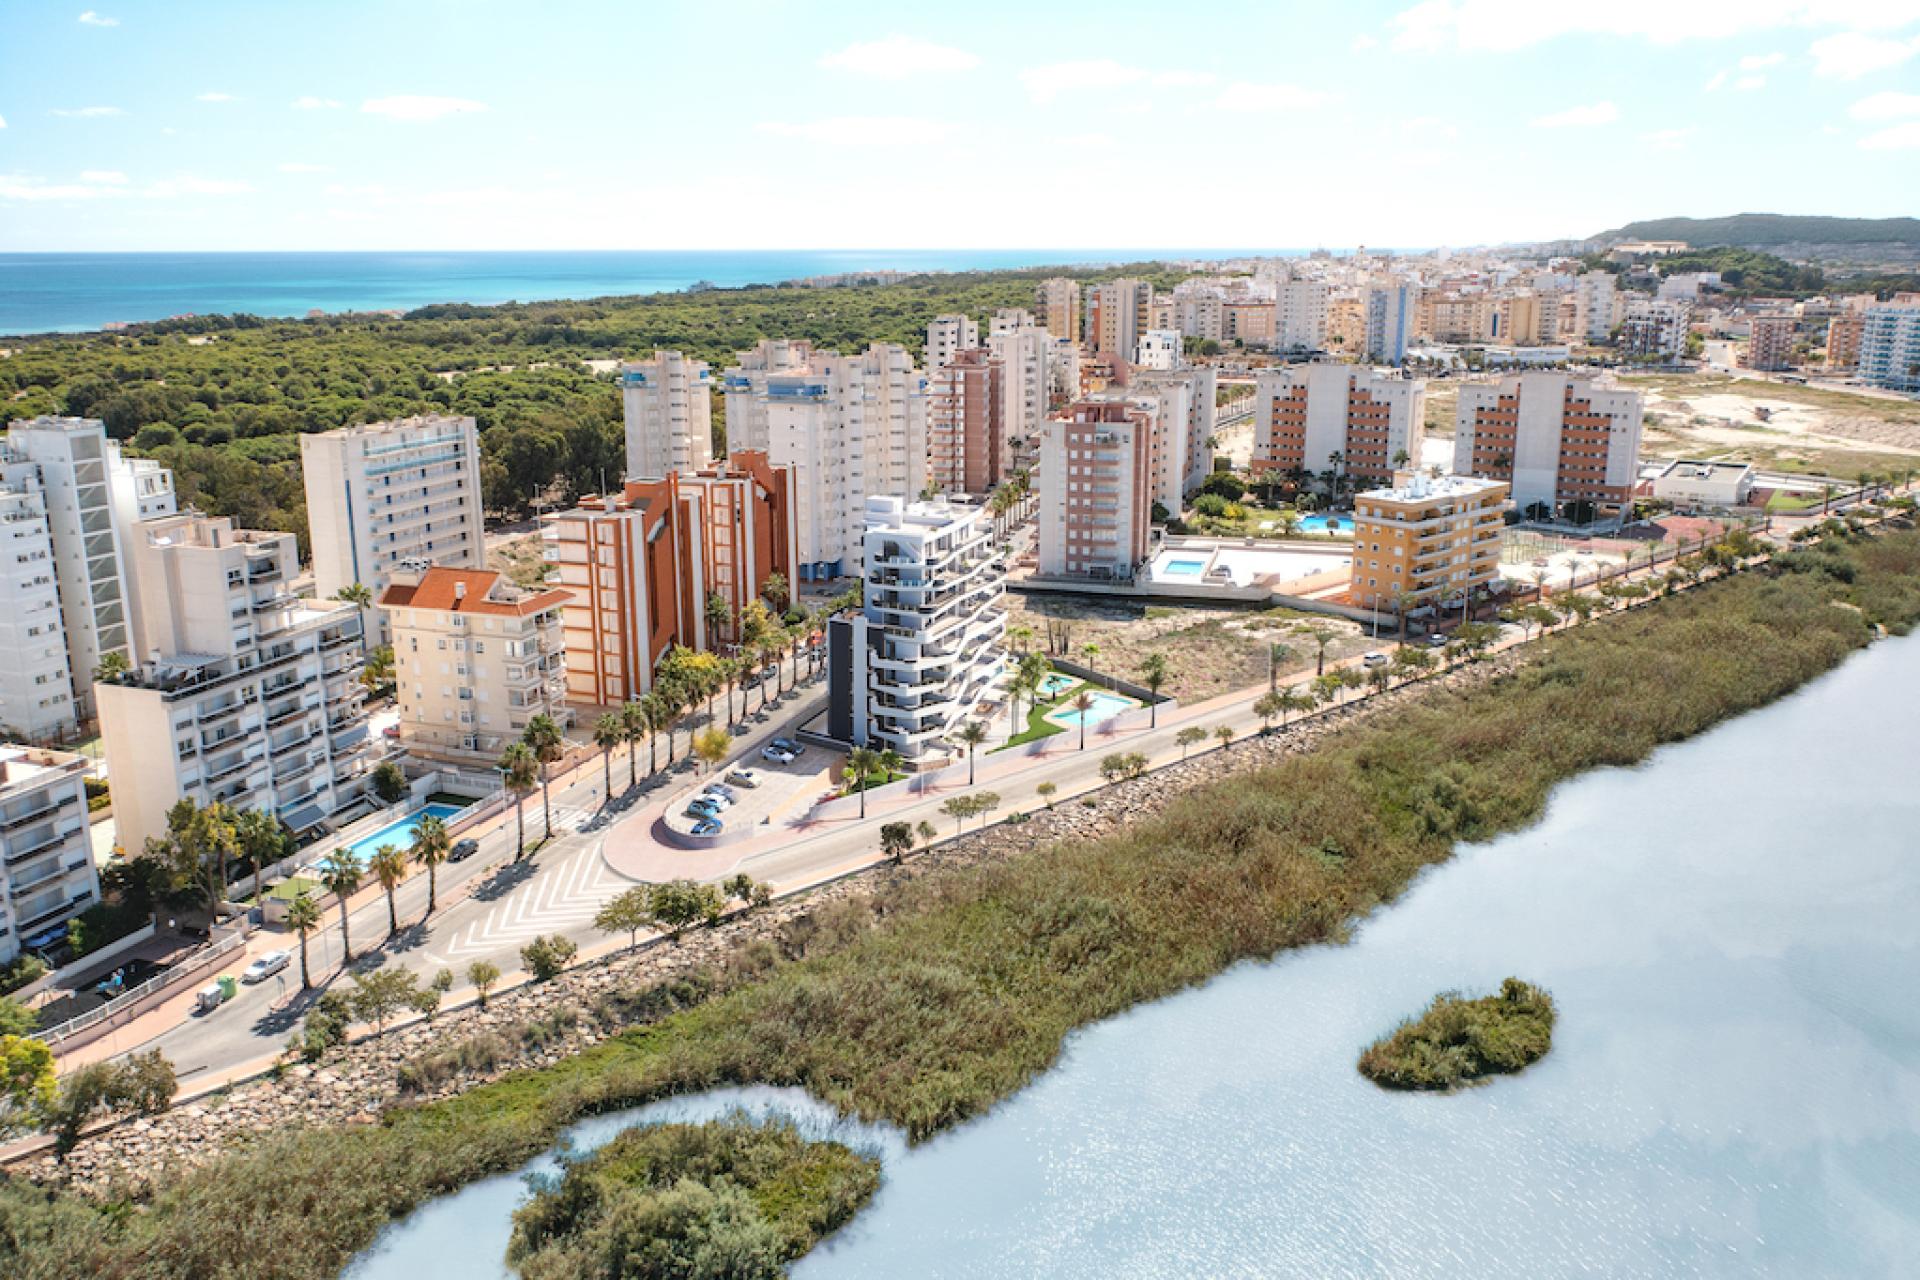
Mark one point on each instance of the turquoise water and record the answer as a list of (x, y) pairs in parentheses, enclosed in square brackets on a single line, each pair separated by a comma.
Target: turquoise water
[(1105, 707), (1057, 683), (399, 833), (1183, 568), (1325, 524)]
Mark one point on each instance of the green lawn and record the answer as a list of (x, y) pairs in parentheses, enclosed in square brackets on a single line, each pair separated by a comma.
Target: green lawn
[(1785, 501), (1038, 726), (877, 778), (293, 887)]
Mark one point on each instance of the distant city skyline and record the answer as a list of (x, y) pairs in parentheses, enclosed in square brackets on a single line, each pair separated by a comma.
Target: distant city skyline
[(597, 125)]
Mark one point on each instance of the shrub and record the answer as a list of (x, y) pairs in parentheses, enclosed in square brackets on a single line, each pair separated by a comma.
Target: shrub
[(1460, 1041), (546, 957)]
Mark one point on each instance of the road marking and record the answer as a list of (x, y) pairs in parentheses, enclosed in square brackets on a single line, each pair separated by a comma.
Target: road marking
[(555, 899)]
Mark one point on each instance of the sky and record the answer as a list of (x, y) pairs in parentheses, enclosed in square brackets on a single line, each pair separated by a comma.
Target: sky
[(654, 124)]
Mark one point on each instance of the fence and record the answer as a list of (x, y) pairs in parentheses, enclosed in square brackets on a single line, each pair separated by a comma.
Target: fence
[(126, 1006)]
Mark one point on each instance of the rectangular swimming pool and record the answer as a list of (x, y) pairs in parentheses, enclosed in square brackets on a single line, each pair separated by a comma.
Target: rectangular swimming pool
[(1183, 568), (397, 833)]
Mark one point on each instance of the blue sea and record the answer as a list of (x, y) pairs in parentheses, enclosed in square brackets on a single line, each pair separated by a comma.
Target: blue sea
[(74, 292)]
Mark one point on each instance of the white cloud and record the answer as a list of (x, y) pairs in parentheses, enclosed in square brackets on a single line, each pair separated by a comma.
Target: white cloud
[(1900, 137), (1505, 25), (311, 103), (1364, 42), (1089, 140), (1667, 139), (1850, 55), (86, 113), (1428, 129), (1747, 84), (418, 107), (215, 97), (1761, 61), (899, 57), (296, 166), (1267, 97), (22, 186), (111, 177), (1045, 83), (859, 131), (92, 19), (188, 185), (1719, 79), (3, 122), (1886, 106), (1585, 117)]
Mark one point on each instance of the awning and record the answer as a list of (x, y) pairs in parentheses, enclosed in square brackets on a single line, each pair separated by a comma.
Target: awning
[(305, 817)]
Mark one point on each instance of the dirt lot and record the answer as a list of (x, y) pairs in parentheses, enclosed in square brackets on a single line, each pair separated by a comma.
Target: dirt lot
[(1777, 425), (519, 559), (1209, 651)]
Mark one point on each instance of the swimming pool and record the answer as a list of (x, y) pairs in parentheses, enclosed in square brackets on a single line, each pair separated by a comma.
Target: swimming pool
[(1057, 683), (1325, 524), (398, 833), (1183, 568), (1105, 707)]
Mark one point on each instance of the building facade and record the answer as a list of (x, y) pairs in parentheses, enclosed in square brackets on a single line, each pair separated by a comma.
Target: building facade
[(1299, 316), (474, 659), (1556, 438), (245, 693), (967, 444), (1096, 490), (1027, 353), (1117, 313), (947, 337), (1843, 340), (1305, 414), (384, 492), (1158, 349), (36, 684), (1058, 302), (1653, 329), (1389, 321), (1184, 423), (667, 403), (50, 875), (1770, 342), (1890, 347), (926, 644), (1426, 541)]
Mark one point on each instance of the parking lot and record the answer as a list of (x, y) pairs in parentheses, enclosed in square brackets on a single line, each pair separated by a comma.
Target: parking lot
[(783, 789)]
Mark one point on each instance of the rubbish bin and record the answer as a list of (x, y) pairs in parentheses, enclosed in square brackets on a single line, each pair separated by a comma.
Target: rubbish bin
[(228, 986)]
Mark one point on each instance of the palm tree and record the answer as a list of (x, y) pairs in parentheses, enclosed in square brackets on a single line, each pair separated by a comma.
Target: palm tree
[(861, 761), (112, 666), (389, 867), (262, 842), (1153, 673), (303, 917), (889, 762), (719, 616), (1092, 652), (653, 714), (432, 843), (971, 735), (633, 727), (341, 873), (609, 731), (776, 592), (361, 598), (518, 774), (1321, 636), (542, 736), (1083, 703)]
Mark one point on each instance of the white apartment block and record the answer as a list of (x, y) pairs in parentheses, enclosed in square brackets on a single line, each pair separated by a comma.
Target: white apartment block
[(93, 498), (1058, 301), (474, 659), (667, 403), (1300, 315), (384, 492), (1116, 314), (948, 336), (1184, 420), (1890, 346), (36, 685), (913, 661), (1063, 374), (44, 842), (1596, 306), (1096, 490), (1304, 414), (1655, 329), (243, 692), (847, 426), (1158, 349), (1027, 352), (1557, 438), (1389, 322)]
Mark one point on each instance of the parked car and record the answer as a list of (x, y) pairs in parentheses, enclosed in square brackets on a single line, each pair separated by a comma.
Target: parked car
[(391, 731), (266, 966), (463, 849), (707, 827), (212, 996), (1374, 660), (716, 799), (1438, 640), (775, 755), (743, 777), (722, 790), (702, 807), (791, 747)]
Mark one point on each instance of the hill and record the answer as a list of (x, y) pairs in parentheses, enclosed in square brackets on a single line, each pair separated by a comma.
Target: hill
[(1766, 230)]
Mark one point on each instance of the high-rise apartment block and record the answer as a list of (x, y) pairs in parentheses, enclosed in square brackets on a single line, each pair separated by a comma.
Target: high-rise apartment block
[(1557, 438), (76, 501), (383, 492), (1299, 316), (50, 876), (1184, 414), (1426, 541), (846, 427), (1890, 345), (967, 423), (668, 406), (1117, 312), (908, 665), (1844, 332), (1027, 353), (641, 565), (948, 336), (1389, 322), (1158, 349), (244, 692), (1305, 414), (1596, 306), (1655, 329), (474, 659), (1770, 342), (1058, 301), (1096, 490)]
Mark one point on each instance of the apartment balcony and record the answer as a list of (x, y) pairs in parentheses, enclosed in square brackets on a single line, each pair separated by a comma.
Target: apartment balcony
[(76, 903), (287, 714), (60, 833), (21, 819), (221, 773)]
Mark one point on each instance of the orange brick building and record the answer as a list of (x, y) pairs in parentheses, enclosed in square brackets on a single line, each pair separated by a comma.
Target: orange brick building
[(1426, 540)]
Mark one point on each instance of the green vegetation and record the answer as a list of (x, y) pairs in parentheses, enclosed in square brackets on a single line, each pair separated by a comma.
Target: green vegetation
[(1038, 726), (1764, 229), (1461, 1041), (725, 1199), (952, 989)]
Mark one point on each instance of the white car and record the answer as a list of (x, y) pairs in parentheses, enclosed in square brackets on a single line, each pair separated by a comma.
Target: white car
[(1374, 660), (266, 966), (775, 755), (716, 797), (743, 778)]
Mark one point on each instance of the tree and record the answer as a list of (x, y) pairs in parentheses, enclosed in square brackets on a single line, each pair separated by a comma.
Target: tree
[(751, 892), (389, 867), (861, 762), (481, 975), (628, 912), (985, 803), (1224, 736), (712, 744), (341, 873), (1267, 707), (896, 840), (377, 996), (1153, 673), (389, 783), (1113, 767), (27, 1078), (971, 735), (1321, 636), (542, 736), (1046, 791), (719, 613), (111, 667), (377, 673), (960, 808), (1188, 737), (776, 592), (546, 957), (926, 833), (262, 841), (432, 845), (679, 903), (653, 713), (144, 1084), (1083, 703), (633, 727), (1378, 678), (519, 772), (303, 917), (609, 731), (360, 597)]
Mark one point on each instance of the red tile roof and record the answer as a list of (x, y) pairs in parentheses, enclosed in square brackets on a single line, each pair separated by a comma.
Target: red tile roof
[(436, 590)]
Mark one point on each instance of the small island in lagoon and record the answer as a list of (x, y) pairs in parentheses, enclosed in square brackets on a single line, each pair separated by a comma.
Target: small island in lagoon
[(1462, 1041)]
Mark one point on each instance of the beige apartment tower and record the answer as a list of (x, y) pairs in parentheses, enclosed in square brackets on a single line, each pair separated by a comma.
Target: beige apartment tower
[(1058, 302), (1556, 438), (667, 404), (1425, 542), (1096, 491)]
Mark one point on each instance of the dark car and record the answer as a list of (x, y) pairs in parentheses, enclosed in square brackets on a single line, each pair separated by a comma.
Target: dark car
[(462, 850), (789, 746)]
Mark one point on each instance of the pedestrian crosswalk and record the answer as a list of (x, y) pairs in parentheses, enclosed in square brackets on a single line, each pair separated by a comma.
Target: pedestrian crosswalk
[(562, 894)]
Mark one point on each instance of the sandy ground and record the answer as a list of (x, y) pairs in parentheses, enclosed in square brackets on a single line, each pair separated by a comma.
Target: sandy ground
[(520, 559), (1713, 413)]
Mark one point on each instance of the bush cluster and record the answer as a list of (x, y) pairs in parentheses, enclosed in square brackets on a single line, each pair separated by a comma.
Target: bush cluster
[(1460, 1041)]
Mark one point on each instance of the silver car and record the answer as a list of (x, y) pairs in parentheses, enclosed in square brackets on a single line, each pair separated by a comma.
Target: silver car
[(266, 966)]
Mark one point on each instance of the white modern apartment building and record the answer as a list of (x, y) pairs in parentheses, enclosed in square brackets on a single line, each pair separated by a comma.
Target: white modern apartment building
[(1027, 352), (1557, 438), (948, 336), (1096, 490), (49, 872), (36, 685), (667, 403), (1890, 345), (92, 498), (384, 492), (911, 663), (846, 426), (1655, 329), (1596, 306), (243, 692), (1300, 315), (1058, 301), (1184, 414), (1158, 349), (474, 659), (1305, 414), (1389, 321)]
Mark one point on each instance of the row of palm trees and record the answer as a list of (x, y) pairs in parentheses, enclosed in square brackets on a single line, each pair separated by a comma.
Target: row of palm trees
[(341, 874)]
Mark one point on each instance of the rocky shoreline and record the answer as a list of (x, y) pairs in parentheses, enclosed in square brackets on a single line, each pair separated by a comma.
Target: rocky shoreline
[(354, 1083)]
